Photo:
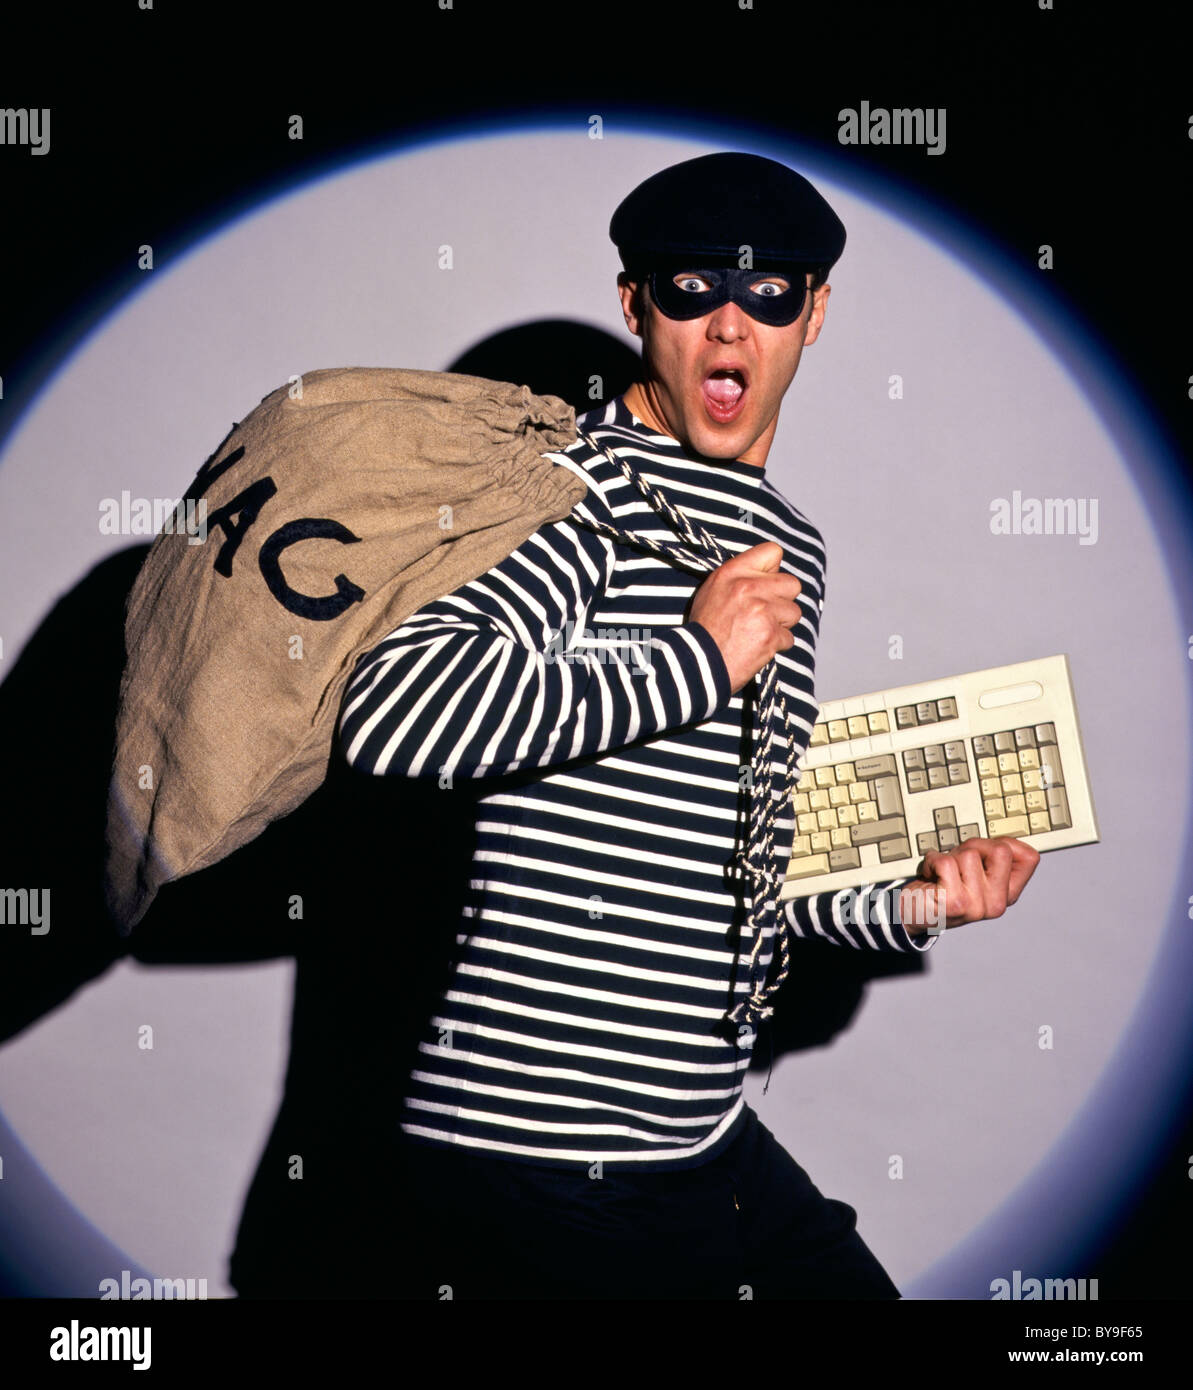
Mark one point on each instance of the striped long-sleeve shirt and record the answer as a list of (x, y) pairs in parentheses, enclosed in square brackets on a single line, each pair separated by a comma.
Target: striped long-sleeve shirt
[(599, 948)]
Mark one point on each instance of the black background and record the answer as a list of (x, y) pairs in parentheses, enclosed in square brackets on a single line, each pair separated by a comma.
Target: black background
[(1063, 129)]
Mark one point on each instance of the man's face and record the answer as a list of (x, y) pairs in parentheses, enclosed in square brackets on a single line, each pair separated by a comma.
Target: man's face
[(682, 356)]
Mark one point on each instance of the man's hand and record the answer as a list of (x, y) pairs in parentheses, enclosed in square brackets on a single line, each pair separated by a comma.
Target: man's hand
[(748, 607), (979, 879)]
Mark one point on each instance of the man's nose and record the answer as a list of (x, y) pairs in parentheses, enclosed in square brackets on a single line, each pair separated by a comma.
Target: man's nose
[(729, 322)]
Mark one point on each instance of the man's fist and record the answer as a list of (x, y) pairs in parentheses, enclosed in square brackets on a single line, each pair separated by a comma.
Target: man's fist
[(748, 606), (978, 880)]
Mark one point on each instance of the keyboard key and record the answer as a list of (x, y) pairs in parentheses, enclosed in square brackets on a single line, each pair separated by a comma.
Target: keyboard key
[(1050, 767), (893, 849), (925, 712), (1008, 762), (818, 800), (826, 777), (958, 773), (860, 791), (845, 773), (888, 796), (1004, 742), (890, 849), (879, 722), (838, 796), (819, 736), (1028, 758), (844, 859), (1015, 805), (913, 759), (1010, 825), (837, 730), (806, 782), (947, 707), (872, 833), (1036, 801), (799, 803), (869, 768), (917, 781), (839, 839), (867, 812), (826, 820), (806, 867), (858, 727), (1012, 784), (1025, 737), (807, 823), (987, 767), (970, 832), (1045, 733), (802, 844), (1032, 781), (944, 815), (993, 808), (938, 777), (1058, 809), (983, 746), (1039, 822), (926, 841), (934, 755), (954, 752), (949, 838), (847, 815), (905, 717), (822, 842)]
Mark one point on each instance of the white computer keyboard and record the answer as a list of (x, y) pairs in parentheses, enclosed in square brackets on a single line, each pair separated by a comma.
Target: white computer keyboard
[(891, 775)]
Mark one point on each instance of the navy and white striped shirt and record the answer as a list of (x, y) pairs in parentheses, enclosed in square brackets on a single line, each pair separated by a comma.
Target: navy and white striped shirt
[(599, 949)]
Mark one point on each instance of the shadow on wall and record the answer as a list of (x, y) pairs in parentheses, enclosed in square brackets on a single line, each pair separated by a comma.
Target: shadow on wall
[(381, 866)]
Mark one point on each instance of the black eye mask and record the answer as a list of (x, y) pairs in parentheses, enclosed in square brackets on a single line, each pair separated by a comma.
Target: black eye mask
[(767, 305)]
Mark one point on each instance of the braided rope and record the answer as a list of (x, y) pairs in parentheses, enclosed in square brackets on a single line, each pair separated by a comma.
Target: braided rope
[(755, 861)]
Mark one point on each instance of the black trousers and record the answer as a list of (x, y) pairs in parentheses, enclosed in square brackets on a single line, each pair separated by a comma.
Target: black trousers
[(747, 1224)]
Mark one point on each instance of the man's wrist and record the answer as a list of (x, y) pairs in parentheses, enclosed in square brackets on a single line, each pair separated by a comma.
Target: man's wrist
[(716, 660), (918, 910)]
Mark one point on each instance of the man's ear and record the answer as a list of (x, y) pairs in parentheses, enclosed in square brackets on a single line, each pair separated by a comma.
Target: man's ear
[(631, 293), (816, 317)]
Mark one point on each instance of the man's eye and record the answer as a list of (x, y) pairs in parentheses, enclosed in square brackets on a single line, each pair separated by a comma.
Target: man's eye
[(692, 283), (769, 288)]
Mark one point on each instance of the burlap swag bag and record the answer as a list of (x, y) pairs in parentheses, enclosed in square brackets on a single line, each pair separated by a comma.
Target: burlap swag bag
[(331, 514)]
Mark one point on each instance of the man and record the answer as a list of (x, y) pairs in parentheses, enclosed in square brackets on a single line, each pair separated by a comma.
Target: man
[(573, 1119)]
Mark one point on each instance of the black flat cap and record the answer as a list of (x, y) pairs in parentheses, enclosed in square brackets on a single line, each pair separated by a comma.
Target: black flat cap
[(712, 206)]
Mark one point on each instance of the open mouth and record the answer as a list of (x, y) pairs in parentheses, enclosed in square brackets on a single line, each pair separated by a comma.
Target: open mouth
[(724, 393)]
